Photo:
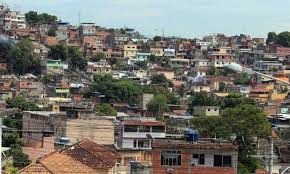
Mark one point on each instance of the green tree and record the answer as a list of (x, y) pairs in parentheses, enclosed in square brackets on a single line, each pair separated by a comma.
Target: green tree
[(44, 17), (33, 17), (127, 91), (105, 110), (99, 56), (173, 99), (21, 103), (76, 59), (20, 159), (202, 99), (9, 168), (13, 122), (222, 86), (272, 37), (142, 64), (114, 90), (209, 126), (159, 79), (154, 89), (244, 121), (10, 138), (274, 69), (285, 134), (58, 52), (51, 32), (235, 100), (283, 90), (158, 105), (242, 79), (284, 39), (45, 79), (22, 58)]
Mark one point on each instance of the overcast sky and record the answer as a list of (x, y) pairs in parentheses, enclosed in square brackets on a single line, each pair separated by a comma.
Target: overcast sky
[(188, 18)]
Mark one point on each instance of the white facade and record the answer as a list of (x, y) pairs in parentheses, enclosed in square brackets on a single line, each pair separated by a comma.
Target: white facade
[(101, 67), (87, 29), (168, 52), (11, 19), (140, 136), (203, 45), (203, 63)]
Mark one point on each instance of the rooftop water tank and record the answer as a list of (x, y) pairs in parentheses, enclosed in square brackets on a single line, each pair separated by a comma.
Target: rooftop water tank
[(192, 135)]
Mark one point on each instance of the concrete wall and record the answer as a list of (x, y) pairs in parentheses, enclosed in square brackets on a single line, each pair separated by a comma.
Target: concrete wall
[(99, 131)]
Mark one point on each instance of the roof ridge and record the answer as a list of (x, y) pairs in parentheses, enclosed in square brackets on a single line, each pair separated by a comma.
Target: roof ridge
[(99, 145), (92, 153), (30, 165), (71, 159), (87, 140), (46, 156), (46, 167)]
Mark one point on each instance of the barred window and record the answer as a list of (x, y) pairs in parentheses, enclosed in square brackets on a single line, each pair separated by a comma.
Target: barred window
[(171, 158)]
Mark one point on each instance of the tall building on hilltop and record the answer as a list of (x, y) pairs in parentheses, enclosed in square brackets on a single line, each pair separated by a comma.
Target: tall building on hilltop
[(10, 19)]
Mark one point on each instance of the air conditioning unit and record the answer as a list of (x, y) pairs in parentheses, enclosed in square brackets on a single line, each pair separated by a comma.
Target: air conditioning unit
[(169, 170)]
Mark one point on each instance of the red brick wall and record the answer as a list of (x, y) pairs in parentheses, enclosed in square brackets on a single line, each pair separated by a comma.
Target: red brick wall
[(282, 51), (185, 167)]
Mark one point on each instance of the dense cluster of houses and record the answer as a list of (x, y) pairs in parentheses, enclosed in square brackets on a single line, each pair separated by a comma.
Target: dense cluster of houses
[(128, 142)]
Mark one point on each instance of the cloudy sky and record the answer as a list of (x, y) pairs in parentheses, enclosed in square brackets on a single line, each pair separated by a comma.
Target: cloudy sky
[(189, 18)]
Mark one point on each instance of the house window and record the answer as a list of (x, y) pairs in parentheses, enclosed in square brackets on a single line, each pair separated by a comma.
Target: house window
[(135, 143), (170, 158), (143, 143), (222, 161), (130, 129), (158, 129), (197, 159), (144, 128)]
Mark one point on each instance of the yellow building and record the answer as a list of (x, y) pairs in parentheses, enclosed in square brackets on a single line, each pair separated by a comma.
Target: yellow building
[(261, 95), (130, 51), (279, 97), (158, 52)]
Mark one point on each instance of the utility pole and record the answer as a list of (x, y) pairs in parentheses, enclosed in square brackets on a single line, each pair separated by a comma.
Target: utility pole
[(271, 155)]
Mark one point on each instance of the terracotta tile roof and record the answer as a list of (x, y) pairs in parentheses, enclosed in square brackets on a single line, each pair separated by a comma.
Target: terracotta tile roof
[(143, 123), (93, 155), (179, 112), (83, 158), (35, 169), (51, 40), (61, 163)]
